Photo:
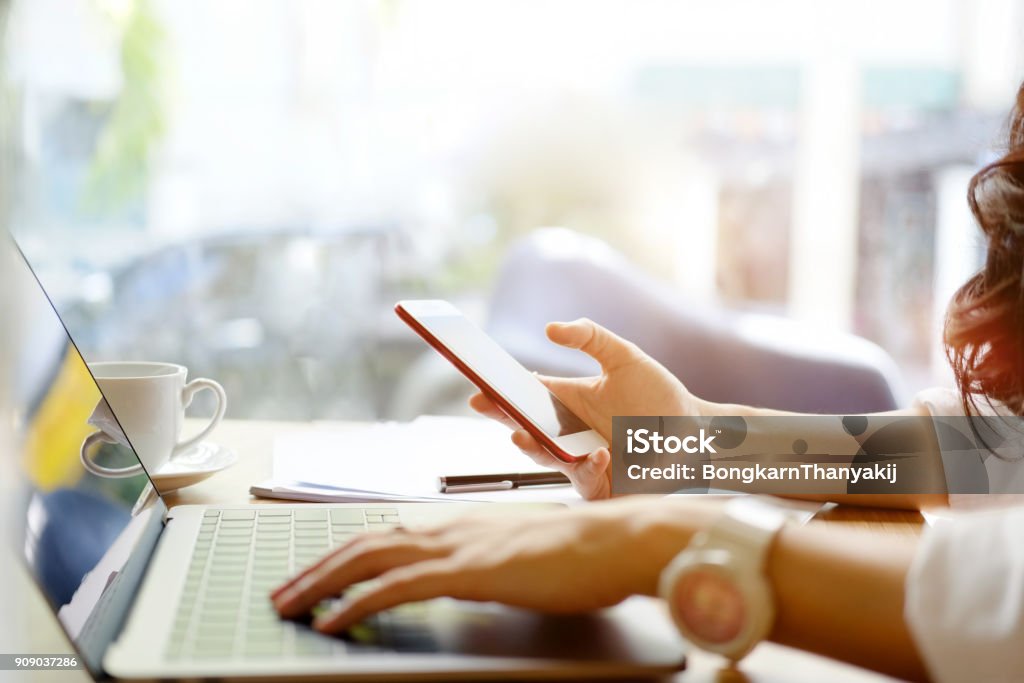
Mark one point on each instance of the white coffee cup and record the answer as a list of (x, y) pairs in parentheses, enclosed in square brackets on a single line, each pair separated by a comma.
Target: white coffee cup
[(149, 402)]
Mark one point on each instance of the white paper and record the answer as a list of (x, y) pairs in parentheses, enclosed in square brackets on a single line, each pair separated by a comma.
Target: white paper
[(326, 494), (403, 461)]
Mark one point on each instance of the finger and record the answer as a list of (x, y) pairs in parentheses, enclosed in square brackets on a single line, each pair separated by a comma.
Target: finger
[(575, 392), (540, 455), (589, 476), (360, 563), (332, 575), (430, 579), (489, 408), (607, 348), (564, 386), (328, 557)]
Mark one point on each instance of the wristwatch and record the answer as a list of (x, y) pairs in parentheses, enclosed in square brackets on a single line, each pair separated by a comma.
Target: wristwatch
[(716, 588)]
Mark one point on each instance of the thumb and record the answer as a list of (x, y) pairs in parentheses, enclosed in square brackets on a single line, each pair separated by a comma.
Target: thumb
[(607, 348)]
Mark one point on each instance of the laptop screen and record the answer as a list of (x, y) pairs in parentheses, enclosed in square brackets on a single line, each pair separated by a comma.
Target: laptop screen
[(84, 538)]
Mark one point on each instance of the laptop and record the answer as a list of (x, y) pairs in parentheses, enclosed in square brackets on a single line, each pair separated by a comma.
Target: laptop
[(147, 592)]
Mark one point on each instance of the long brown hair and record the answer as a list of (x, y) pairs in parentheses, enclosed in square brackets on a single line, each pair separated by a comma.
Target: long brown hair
[(984, 331)]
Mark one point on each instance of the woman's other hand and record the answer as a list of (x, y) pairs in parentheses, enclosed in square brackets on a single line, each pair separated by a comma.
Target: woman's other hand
[(630, 383)]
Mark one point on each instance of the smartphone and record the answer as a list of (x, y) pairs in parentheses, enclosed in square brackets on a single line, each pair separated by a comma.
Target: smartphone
[(501, 378)]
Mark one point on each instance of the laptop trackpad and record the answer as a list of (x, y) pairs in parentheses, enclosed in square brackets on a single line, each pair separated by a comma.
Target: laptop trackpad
[(638, 631)]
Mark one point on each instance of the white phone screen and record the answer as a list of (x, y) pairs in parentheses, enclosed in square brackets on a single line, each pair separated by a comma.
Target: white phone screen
[(502, 372)]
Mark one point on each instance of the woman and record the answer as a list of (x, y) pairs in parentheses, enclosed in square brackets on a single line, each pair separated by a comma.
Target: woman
[(949, 606)]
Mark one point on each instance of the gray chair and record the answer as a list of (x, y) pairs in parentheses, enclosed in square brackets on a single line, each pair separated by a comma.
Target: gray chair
[(721, 355)]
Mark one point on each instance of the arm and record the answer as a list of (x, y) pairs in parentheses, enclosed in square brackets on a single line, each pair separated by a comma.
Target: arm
[(904, 501), (633, 383), (838, 593)]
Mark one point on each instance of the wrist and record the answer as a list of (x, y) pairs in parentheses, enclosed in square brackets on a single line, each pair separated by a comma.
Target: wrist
[(702, 408), (666, 527)]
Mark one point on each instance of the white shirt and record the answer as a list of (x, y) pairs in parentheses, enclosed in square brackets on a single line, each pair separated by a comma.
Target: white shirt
[(965, 589), (1004, 466)]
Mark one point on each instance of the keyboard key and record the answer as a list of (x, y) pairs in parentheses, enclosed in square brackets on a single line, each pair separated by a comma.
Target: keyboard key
[(213, 629), (228, 563), (274, 521), (274, 512), (219, 596), (261, 606), (273, 532), (233, 540), (270, 572), (266, 631), (220, 619), (300, 515), (238, 514), (264, 576), (265, 556), (311, 523), (308, 555), (230, 560), (269, 565), (228, 545), (310, 533), (347, 516), (306, 541), (220, 601), (237, 524), (311, 644), (264, 552)]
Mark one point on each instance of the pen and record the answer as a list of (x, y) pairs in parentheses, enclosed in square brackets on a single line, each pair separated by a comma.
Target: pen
[(498, 482)]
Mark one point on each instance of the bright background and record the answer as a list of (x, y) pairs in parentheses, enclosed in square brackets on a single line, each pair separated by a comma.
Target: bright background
[(246, 186)]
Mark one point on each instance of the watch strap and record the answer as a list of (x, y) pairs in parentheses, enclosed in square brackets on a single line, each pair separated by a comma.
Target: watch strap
[(737, 543), (749, 525)]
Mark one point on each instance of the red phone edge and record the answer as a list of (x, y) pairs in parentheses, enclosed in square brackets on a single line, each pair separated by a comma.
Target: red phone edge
[(484, 387)]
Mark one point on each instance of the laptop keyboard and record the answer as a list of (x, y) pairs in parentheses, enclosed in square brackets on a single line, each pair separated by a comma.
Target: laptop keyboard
[(241, 555)]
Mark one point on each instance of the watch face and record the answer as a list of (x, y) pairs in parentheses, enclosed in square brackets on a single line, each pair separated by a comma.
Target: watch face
[(711, 606)]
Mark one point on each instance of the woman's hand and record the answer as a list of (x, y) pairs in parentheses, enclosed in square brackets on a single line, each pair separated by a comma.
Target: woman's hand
[(630, 383), (564, 561)]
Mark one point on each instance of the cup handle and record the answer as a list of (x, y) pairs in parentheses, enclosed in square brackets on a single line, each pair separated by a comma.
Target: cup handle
[(190, 390), (99, 470)]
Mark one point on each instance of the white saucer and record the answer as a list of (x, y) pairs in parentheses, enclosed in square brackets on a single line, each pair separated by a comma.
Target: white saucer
[(192, 466)]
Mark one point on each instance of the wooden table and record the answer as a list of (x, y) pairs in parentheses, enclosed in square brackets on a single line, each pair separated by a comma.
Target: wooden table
[(253, 441)]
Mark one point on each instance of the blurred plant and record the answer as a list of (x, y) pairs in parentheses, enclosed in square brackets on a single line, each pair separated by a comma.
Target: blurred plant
[(136, 121)]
